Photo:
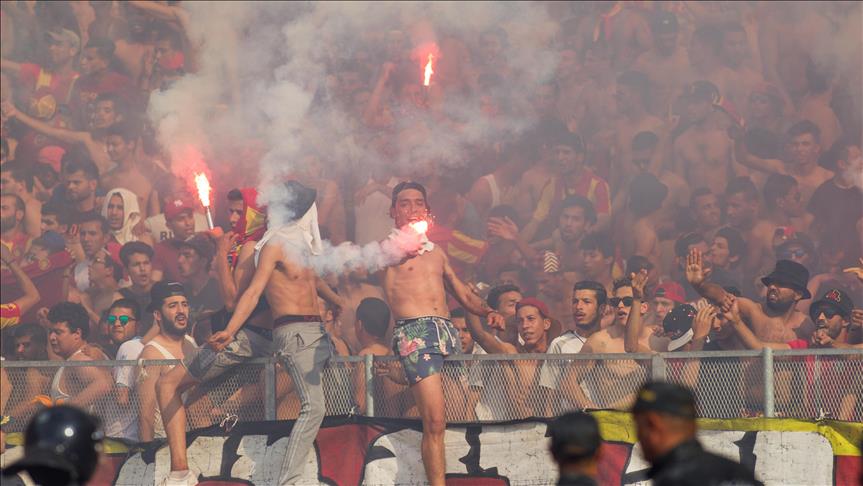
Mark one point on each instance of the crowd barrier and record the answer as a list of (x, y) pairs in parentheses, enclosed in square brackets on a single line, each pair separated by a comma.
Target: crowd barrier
[(803, 384)]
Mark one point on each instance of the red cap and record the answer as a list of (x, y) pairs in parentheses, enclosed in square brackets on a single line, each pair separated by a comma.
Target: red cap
[(51, 155), (672, 291), (176, 207), (534, 302)]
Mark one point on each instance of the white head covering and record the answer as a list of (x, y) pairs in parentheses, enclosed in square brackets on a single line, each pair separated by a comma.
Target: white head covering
[(131, 214), (302, 235)]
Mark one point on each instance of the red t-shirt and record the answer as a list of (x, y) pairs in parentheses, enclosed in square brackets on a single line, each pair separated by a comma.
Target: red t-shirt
[(47, 90)]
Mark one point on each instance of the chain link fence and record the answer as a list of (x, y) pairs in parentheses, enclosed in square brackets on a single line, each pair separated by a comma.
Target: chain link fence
[(803, 384)]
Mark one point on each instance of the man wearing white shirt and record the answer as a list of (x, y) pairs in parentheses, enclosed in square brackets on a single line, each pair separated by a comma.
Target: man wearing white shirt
[(124, 324), (588, 300)]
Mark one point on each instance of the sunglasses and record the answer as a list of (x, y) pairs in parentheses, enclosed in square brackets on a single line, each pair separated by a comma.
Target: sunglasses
[(828, 311), (615, 301), (123, 320), (798, 253)]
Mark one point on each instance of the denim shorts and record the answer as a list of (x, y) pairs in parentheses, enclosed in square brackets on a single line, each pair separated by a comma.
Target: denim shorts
[(421, 344), (207, 364)]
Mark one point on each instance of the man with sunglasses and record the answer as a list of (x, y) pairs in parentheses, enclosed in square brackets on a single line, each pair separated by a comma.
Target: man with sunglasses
[(607, 387), (832, 314), (125, 331)]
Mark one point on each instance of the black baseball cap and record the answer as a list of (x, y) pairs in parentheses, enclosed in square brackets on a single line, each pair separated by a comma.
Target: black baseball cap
[(678, 323), (838, 299), (574, 436), (667, 398), (163, 290)]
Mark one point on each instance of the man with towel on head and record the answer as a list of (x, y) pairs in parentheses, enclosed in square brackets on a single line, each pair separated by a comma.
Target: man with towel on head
[(297, 335)]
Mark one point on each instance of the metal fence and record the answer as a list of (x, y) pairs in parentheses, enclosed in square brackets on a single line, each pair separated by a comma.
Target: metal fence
[(802, 384)]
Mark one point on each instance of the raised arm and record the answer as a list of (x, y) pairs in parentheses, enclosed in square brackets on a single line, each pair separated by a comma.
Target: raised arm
[(227, 286), (697, 276), (61, 134), (742, 155), (31, 293), (466, 297), (328, 294), (634, 322), (487, 340), (10, 66), (270, 255), (507, 229)]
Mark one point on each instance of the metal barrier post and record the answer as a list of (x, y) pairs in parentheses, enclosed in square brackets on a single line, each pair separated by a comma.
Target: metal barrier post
[(270, 390), (657, 368), (767, 363), (370, 385)]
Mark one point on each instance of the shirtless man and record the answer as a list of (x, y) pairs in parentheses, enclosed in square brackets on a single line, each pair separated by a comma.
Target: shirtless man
[(291, 290), (703, 152), (804, 150), (666, 64), (121, 141), (646, 194), (416, 291), (534, 322), (742, 204), (632, 96), (774, 320), (705, 207), (372, 324), (735, 51)]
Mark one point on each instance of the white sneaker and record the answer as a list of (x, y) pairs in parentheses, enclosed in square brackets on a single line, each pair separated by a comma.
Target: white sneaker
[(189, 479)]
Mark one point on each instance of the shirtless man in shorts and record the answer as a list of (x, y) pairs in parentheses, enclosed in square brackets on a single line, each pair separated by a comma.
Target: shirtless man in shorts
[(297, 335), (423, 335)]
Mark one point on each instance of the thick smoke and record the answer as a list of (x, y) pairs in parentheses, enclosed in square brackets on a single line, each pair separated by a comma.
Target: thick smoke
[(271, 60)]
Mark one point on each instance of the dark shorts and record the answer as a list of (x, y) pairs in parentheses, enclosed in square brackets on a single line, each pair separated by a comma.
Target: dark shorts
[(207, 364), (421, 344)]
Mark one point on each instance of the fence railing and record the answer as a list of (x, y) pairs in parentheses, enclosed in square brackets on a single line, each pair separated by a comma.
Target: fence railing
[(770, 383)]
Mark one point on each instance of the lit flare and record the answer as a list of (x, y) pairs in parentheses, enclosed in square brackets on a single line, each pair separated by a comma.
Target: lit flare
[(421, 227), (204, 189), (429, 70)]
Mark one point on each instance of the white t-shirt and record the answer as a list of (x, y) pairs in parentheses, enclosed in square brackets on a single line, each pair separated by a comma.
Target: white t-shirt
[(124, 424), (552, 370), (159, 227)]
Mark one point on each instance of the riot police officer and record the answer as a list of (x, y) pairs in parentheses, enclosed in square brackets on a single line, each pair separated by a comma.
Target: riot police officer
[(665, 421)]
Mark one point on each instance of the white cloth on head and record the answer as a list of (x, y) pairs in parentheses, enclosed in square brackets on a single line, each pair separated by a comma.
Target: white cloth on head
[(303, 235), (131, 214)]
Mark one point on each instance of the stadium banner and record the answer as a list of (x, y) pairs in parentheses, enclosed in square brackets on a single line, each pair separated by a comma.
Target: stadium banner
[(359, 450)]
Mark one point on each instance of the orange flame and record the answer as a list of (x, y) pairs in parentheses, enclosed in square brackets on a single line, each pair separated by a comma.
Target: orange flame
[(203, 186), (420, 226), (428, 71)]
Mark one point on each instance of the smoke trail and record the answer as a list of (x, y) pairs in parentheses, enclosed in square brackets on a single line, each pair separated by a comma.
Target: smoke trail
[(272, 61)]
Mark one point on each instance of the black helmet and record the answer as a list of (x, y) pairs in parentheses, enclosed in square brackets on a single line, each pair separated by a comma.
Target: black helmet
[(61, 447)]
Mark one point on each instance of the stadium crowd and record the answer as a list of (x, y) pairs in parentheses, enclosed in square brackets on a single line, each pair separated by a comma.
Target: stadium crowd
[(692, 180)]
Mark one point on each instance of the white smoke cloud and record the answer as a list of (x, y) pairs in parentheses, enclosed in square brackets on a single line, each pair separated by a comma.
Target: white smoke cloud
[(272, 61)]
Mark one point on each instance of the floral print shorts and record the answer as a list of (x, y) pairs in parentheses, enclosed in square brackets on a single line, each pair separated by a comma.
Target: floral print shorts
[(421, 344)]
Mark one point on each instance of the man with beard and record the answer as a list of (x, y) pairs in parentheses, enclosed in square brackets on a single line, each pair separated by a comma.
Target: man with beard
[(775, 319), (79, 180), (170, 309), (831, 314), (12, 234), (416, 292), (588, 302), (283, 274)]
